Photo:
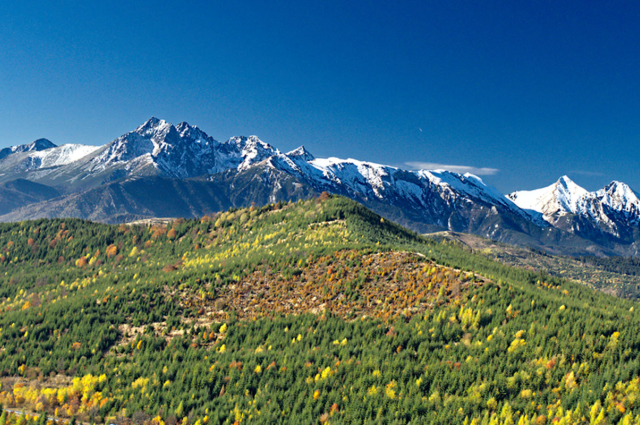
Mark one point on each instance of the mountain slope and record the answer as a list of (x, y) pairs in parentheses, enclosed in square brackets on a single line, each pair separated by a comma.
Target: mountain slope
[(16, 194), (42, 166), (149, 197)]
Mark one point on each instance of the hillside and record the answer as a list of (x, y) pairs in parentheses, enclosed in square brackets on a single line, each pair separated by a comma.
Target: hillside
[(617, 276), (317, 311)]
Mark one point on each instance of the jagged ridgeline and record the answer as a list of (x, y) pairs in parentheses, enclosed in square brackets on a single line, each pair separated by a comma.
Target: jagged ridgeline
[(317, 311)]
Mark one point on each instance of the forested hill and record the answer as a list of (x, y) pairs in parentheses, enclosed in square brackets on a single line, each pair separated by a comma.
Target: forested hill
[(316, 312)]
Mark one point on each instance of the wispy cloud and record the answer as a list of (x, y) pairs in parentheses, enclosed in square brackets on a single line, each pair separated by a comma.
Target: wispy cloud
[(479, 171)]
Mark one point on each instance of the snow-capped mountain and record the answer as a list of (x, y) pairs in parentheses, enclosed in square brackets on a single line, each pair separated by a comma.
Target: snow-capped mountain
[(176, 151), (613, 211), (562, 197), (154, 148), (122, 180), (432, 192), (41, 159), (38, 145), (181, 151), (621, 198), (184, 151)]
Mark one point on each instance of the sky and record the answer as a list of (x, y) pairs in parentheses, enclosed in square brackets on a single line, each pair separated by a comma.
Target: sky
[(518, 92)]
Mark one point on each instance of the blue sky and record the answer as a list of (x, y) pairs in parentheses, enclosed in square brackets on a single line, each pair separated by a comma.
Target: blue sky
[(520, 92)]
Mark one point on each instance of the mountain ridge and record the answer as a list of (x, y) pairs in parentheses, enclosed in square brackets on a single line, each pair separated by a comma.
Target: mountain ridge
[(613, 211), (561, 218)]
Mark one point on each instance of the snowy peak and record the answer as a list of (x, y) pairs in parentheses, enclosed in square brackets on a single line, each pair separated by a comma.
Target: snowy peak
[(241, 152), (124, 148), (425, 192), (364, 178), (620, 197), (42, 154), (36, 160), (384, 182), (562, 197), (36, 146), (152, 127), (619, 193), (613, 210), (301, 153), (39, 145), (162, 135), (565, 196), (252, 144), (193, 134), (180, 151), (568, 194)]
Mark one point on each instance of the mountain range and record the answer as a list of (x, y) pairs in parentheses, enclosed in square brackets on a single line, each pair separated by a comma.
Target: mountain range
[(162, 170)]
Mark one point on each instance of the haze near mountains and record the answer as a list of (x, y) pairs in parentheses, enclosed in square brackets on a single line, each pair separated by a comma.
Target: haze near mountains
[(162, 170)]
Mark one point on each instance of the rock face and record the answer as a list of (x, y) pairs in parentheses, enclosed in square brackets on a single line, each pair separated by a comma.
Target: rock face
[(161, 170)]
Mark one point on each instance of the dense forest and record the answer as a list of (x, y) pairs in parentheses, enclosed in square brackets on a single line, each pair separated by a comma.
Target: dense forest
[(317, 311), (624, 265)]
